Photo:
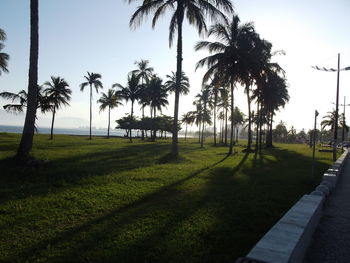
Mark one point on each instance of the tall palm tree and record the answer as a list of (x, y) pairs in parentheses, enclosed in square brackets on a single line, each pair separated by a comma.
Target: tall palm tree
[(158, 97), (237, 119), (203, 98), (58, 94), (143, 72), (28, 130), (274, 95), (195, 11), (130, 92), (110, 100), (224, 104), (228, 54), (92, 80), (215, 87), (188, 119), (170, 84), (221, 117), (4, 58)]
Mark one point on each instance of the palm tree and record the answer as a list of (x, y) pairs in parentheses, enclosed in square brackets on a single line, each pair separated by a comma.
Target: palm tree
[(214, 88), (274, 95), (195, 11), (221, 117), (237, 119), (58, 94), (110, 100), (3, 56), (92, 80), (20, 99), (130, 92), (28, 130), (143, 72), (204, 99), (158, 97), (329, 120), (170, 84), (188, 119), (224, 104), (227, 55)]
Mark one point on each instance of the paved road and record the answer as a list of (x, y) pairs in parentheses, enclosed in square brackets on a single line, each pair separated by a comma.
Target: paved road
[(331, 240)]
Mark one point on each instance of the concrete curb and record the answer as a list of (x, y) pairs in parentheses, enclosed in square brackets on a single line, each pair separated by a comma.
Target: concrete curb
[(288, 240)]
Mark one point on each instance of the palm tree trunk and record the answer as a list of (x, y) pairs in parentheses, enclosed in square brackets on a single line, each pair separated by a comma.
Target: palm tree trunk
[(222, 130), (28, 130), (226, 126), (269, 136), (232, 108), (154, 124), (199, 132), (202, 137), (52, 123), (215, 102), (131, 122), (237, 130), (260, 127), (186, 132), (180, 16), (257, 127), (143, 116), (109, 120), (249, 120), (90, 109)]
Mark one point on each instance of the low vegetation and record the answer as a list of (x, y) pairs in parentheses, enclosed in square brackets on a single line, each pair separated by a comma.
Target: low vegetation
[(112, 201)]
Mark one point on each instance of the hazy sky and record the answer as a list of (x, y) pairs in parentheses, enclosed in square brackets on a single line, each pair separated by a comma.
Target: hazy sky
[(90, 35)]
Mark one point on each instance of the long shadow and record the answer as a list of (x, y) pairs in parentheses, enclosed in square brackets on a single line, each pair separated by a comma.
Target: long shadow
[(162, 194), (57, 175), (243, 210)]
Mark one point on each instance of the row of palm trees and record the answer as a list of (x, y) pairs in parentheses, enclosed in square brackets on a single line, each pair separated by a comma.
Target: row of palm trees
[(52, 95), (238, 57), (146, 88)]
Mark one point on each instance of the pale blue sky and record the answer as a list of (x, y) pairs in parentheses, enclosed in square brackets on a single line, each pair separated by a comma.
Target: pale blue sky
[(90, 35)]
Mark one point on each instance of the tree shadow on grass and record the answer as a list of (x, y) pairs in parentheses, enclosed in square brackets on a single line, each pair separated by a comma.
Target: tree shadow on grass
[(236, 206), (60, 174), (103, 227)]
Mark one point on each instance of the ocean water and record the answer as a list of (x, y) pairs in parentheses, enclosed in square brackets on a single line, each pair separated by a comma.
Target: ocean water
[(76, 131), (70, 131)]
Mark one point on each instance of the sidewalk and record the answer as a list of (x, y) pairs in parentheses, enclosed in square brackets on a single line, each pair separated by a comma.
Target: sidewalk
[(331, 240)]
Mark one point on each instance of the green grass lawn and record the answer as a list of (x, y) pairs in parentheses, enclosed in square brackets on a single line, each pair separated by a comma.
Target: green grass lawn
[(108, 200)]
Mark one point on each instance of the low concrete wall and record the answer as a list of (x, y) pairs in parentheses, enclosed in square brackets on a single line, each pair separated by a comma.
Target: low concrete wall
[(288, 240)]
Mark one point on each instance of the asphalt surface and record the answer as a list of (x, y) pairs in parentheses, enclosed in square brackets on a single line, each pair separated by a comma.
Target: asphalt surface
[(331, 240)]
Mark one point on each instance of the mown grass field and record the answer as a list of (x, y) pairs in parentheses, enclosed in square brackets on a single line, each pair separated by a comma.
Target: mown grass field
[(108, 200)]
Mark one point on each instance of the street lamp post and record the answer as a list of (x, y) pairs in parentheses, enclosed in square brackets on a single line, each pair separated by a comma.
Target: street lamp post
[(314, 144), (344, 123), (336, 105)]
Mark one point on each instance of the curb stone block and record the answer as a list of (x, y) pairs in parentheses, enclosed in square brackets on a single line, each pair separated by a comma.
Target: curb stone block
[(324, 189), (288, 240)]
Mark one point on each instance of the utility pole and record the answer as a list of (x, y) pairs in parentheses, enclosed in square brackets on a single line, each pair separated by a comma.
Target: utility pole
[(314, 145)]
